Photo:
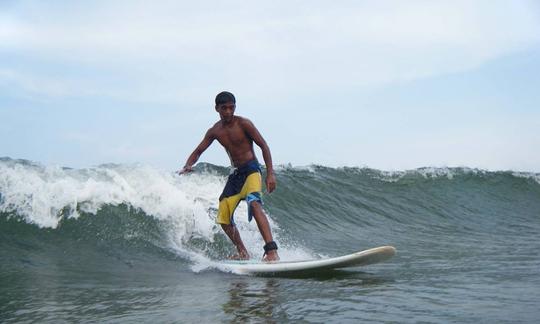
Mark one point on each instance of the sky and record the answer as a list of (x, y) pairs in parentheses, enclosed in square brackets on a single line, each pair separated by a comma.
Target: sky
[(391, 85)]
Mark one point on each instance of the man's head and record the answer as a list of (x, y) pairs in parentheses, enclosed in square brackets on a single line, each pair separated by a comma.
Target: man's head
[(225, 97), (225, 105)]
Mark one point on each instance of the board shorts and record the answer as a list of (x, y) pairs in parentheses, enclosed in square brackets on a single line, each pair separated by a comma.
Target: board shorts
[(245, 183)]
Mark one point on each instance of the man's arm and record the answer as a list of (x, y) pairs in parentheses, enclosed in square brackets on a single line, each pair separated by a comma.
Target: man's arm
[(252, 131), (205, 143)]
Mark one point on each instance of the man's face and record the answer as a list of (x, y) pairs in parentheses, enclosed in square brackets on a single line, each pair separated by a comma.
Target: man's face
[(226, 111)]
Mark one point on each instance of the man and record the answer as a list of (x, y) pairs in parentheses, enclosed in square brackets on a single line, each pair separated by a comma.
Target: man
[(237, 134)]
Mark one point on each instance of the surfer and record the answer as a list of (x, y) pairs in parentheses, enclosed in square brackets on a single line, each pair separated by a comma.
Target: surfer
[(237, 134)]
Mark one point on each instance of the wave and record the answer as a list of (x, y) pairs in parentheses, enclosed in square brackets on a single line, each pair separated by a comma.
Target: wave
[(317, 210), (127, 203)]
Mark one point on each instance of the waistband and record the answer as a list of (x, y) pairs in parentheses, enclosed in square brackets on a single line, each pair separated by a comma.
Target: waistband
[(248, 167)]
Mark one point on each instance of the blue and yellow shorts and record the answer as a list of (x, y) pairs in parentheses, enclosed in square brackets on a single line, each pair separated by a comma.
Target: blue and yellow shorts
[(245, 183)]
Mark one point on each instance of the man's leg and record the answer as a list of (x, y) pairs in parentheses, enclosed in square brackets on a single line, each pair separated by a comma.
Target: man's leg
[(264, 228), (234, 235)]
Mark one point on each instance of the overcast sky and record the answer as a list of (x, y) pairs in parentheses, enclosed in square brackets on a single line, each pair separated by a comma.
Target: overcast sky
[(385, 84)]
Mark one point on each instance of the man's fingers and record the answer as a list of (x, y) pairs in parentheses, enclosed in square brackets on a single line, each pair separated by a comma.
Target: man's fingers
[(184, 171), (270, 186)]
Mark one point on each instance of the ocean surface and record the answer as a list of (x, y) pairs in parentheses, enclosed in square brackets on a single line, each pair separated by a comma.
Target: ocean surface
[(132, 243)]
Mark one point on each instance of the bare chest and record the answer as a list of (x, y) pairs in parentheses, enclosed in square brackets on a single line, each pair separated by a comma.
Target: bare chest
[(233, 136)]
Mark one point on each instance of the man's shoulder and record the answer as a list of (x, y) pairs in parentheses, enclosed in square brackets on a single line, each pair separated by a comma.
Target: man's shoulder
[(214, 128), (243, 121)]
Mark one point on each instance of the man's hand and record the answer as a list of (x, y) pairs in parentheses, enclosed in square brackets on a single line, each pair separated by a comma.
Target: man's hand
[(185, 169), (270, 182)]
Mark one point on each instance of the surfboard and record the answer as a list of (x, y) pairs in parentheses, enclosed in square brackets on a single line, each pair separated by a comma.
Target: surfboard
[(357, 259)]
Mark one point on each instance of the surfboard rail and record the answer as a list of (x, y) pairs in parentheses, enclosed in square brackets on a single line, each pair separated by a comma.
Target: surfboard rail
[(360, 258)]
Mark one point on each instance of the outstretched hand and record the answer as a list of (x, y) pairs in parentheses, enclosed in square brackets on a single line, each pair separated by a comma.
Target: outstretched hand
[(185, 170), (270, 182)]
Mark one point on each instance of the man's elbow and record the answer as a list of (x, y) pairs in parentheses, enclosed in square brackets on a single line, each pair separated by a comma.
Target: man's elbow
[(265, 148), (262, 144)]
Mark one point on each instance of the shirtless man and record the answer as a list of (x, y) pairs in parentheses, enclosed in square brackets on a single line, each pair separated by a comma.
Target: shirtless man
[(237, 134)]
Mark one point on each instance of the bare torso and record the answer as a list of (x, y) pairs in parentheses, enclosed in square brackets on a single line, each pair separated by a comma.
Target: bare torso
[(236, 141)]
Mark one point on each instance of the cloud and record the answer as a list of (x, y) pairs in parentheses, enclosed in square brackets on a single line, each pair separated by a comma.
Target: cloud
[(169, 51), (33, 85)]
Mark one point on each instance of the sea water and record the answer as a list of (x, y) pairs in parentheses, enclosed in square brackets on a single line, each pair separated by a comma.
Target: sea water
[(132, 243)]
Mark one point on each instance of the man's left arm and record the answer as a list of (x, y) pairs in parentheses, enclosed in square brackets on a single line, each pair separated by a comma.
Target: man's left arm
[(252, 131)]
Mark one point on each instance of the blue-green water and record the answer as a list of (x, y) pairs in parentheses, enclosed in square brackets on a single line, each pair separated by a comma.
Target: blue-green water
[(130, 243)]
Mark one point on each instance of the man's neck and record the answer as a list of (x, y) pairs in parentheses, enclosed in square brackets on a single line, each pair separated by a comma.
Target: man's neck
[(228, 123)]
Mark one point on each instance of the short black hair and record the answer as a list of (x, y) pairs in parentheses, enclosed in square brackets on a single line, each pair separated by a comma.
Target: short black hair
[(224, 97)]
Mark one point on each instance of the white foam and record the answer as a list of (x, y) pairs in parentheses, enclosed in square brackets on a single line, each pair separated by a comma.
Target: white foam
[(527, 175), (428, 173), (45, 194)]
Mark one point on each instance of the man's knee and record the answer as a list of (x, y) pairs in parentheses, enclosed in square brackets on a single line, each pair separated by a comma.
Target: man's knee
[(256, 205)]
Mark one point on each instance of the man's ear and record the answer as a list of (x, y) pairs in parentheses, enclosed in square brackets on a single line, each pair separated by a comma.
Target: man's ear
[(216, 108)]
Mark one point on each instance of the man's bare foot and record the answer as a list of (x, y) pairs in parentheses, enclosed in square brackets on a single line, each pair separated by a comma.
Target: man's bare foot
[(271, 256)]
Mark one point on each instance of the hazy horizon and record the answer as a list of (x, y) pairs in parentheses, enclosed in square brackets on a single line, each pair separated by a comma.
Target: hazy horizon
[(387, 85)]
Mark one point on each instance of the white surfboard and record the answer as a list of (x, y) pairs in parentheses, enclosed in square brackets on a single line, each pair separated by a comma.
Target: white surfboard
[(357, 259)]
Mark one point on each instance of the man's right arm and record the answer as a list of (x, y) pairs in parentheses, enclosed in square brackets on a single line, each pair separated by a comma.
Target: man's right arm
[(205, 143)]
